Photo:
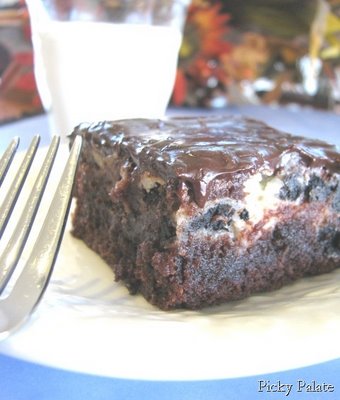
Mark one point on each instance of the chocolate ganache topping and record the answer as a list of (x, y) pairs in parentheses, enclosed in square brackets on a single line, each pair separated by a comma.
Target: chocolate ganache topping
[(201, 150)]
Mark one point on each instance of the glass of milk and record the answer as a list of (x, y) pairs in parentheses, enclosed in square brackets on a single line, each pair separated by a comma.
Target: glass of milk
[(105, 60)]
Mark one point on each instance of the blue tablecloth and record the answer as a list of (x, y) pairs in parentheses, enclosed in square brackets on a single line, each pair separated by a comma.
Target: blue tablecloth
[(22, 380)]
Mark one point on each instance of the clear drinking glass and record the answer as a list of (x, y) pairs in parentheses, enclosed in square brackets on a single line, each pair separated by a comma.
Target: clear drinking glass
[(105, 59)]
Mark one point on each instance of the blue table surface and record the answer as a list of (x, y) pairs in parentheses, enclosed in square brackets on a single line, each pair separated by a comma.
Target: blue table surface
[(20, 379)]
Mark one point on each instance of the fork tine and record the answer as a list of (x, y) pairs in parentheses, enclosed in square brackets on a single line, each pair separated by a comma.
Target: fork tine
[(13, 249), (7, 158), (13, 193), (32, 281)]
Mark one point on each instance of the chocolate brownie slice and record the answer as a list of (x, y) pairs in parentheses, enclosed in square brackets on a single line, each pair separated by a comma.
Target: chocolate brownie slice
[(192, 212)]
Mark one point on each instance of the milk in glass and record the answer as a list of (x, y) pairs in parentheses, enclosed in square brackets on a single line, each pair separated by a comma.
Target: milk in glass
[(104, 71)]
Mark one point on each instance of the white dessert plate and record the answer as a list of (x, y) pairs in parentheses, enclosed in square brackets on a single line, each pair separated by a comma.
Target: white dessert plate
[(88, 323)]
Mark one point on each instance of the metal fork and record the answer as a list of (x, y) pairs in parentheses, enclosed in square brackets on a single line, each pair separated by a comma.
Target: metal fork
[(25, 293)]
